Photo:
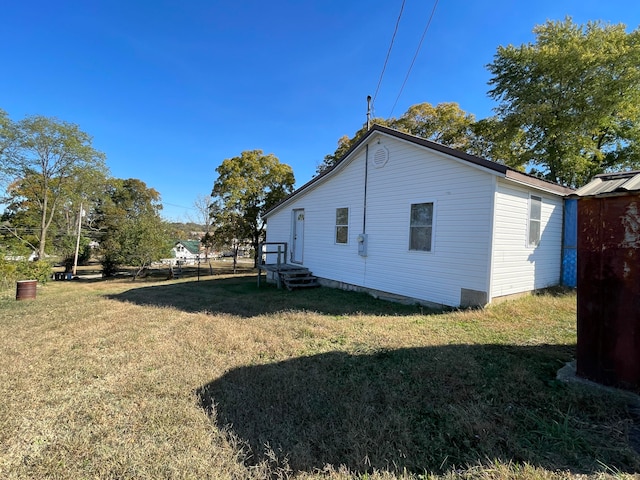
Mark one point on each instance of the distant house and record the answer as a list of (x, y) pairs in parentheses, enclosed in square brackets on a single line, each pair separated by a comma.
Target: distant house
[(399, 215), (186, 251)]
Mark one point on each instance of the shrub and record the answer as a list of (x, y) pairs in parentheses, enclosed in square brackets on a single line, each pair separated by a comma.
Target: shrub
[(109, 266), (40, 270), (8, 273), (12, 271)]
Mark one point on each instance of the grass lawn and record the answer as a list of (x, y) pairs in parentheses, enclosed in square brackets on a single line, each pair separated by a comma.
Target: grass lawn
[(217, 379)]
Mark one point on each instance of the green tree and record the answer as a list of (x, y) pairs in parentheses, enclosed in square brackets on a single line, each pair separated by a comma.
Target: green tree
[(15, 241), (229, 232), (345, 143), (246, 187), (8, 137), (133, 233), (446, 123), (67, 247), (22, 213), (7, 141), (20, 217), (493, 140), (574, 95), (45, 158)]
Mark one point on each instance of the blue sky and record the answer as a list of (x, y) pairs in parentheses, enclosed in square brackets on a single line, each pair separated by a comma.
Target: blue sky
[(169, 89)]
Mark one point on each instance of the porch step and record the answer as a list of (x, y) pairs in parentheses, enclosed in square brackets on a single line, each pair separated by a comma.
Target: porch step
[(298, 278)]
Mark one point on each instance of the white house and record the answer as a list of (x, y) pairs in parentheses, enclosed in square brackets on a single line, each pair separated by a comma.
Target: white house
[(404, 216), (186, 251)]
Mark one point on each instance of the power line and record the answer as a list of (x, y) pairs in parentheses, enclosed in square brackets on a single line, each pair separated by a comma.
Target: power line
[(426, 28), (179, 206), (384, 67)]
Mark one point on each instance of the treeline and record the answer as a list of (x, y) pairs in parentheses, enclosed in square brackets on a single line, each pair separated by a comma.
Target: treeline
[(60, 200)]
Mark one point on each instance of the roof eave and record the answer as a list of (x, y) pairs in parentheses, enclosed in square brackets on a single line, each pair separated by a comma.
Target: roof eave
[(539, 183), (494, 167), (326, 173)]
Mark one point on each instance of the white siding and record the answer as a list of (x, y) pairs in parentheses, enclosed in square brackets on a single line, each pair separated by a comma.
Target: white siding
[(517, 267), (461, 232), (462, 196), (321, 254)]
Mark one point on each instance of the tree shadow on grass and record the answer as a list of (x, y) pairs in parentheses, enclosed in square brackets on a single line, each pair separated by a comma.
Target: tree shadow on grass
[(239, 295), (421, 409)]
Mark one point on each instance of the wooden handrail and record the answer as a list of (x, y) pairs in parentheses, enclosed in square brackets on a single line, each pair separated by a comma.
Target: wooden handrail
[(263, 250), (281, 251)]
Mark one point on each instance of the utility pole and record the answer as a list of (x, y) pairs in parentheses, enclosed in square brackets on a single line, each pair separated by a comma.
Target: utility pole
[(75, 258)]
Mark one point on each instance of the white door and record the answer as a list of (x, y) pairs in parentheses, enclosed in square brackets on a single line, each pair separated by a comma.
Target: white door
[(297, 245)]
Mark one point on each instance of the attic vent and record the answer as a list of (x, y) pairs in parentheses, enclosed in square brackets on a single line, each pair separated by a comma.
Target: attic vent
[(381, 157)]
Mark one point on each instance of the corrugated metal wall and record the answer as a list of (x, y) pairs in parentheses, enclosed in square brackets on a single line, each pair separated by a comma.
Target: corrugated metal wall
[(608, 282)]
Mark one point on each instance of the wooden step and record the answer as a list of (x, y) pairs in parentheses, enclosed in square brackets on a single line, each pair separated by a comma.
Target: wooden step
[(296, 273), (294, 285), (299, 278)]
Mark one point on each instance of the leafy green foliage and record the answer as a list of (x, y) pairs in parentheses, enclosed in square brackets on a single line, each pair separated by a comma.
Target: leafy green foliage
[(575, 96), (345, 143), (246, 187), (39, 270), (8, 273), (14, 241), (7, 141), (494, 140), (67, 249), (446, 123), (46, 160), (133, 232), (12, 271), (22, 217)]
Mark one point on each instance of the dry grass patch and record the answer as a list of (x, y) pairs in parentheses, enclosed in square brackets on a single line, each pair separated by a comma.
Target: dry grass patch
[(217, 379)]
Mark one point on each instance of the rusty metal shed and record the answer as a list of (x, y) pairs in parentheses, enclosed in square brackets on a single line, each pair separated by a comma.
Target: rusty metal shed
[(608, 280)]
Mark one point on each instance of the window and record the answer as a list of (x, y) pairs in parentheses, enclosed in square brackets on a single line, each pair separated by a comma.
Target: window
[(535, 214), (421, 227), (342, 225)]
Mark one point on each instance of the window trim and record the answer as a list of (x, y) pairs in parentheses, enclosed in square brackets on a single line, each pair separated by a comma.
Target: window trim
[(336, 226), (433, 227), (530, 219)]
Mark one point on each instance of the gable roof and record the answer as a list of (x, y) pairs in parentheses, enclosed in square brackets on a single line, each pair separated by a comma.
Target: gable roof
[(193, 246), (611, 183), (500, 169)]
